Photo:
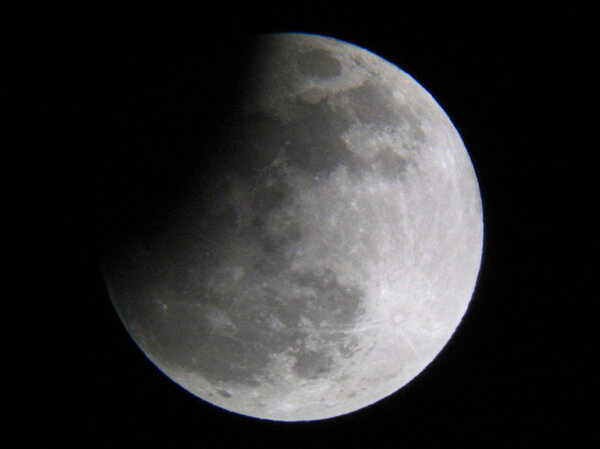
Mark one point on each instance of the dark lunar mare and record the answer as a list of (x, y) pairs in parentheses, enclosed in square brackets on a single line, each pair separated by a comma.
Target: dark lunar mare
[(184, 336), (319, 63)]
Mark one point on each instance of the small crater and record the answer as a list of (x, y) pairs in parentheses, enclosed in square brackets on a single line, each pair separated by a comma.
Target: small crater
[(320, 64), (224, 393)]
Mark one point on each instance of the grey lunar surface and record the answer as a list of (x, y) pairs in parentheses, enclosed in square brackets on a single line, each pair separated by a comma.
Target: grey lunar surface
[(327, 263)]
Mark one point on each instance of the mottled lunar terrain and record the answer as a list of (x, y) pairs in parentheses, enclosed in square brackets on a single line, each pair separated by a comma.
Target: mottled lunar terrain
[(328, 258)]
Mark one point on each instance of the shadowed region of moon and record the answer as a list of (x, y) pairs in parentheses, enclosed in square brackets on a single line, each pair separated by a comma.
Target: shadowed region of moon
[(319, 63), (327, 255)]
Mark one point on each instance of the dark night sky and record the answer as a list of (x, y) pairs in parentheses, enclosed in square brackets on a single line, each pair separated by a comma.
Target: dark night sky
[(116, 104)]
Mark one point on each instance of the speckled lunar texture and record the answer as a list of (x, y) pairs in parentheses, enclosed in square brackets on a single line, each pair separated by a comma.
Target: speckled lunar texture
[(328, 261)]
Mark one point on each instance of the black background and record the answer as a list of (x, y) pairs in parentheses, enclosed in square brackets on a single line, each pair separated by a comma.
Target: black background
[(112, 106)]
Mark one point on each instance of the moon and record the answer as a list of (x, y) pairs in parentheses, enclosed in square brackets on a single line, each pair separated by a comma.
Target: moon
[(326, 258)]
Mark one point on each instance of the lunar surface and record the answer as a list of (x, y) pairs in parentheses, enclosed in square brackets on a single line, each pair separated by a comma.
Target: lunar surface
[(328, 259)]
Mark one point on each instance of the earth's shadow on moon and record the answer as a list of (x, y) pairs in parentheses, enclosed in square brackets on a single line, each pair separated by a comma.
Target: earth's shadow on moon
[(166, 134), (233, 267)]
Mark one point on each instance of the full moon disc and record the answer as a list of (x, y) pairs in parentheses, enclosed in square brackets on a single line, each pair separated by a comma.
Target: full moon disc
[(327, 260)]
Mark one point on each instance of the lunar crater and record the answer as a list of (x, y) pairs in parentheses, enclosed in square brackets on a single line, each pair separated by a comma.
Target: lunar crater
[(224, 393)]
